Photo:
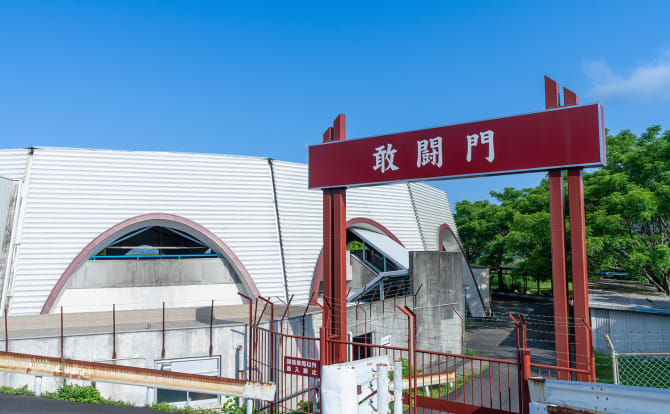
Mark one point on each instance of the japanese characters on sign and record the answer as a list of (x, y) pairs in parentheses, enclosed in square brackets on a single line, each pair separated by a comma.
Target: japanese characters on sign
[(302, 366), (565, 137)]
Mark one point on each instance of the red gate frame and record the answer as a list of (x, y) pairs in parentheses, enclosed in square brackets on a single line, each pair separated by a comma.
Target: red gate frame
[(334, 251)]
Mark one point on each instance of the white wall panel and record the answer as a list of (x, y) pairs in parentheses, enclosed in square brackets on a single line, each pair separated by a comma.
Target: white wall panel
[(300, 212), (13, 163), (300, 215), (432, 210), (74, 195), (390, 205)]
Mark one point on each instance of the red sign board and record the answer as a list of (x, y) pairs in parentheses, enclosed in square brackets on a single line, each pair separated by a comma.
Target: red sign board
[(560, 138), (302, 366)]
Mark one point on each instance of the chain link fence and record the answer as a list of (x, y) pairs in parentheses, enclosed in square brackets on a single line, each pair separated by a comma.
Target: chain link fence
[(640, 370)]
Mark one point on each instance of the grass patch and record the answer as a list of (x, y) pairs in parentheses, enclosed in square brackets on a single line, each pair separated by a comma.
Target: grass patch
[(604, 368), (515, 283), (165, 407), (470, 351), (16, 391), (84, 394), (91, 395), (438, 391)]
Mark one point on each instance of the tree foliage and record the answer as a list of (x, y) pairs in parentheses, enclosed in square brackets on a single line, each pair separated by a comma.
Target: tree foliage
[(627, 204)]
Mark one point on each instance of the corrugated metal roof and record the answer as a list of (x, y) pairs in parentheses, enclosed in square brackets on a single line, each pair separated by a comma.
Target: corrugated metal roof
[(391, 206), (432, 210), (13, 163), (300, 215), (74, 195)]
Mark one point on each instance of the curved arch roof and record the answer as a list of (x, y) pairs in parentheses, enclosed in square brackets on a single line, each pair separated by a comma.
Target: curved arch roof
[(260, 208)]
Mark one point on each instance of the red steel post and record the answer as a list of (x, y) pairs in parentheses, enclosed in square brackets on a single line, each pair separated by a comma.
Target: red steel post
[(524, 359), (578, 248), (525, 375), (580, 285), (339, 275), (410, 361), (339, 257), (334, 255), (560, 294), (327, 251)]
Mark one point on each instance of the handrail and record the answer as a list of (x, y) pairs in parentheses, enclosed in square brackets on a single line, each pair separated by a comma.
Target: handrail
[(153, 256)]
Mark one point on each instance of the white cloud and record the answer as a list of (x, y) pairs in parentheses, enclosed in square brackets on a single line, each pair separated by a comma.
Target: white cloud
[(646, 81)]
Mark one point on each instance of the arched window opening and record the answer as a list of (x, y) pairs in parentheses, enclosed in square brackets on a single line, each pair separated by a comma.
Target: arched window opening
[(151, 259), (376, 266), (155, 242), (371, 256)]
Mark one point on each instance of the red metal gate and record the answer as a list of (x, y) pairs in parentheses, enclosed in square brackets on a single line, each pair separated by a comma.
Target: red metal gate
[(435, 381)]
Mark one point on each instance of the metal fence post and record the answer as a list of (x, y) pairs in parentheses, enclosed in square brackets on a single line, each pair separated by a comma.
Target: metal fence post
[(113, 331), (411, 355), (211, 322), (525, 375), (249, 334), (462, 329), (6, 331), (62, 354), (615, 368), (272, 342), (524, 359), (163, 330)]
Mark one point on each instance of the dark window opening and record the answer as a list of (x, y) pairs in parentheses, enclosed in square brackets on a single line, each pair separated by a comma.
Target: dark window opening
[(362, 351), (155, 242), (368, 254)]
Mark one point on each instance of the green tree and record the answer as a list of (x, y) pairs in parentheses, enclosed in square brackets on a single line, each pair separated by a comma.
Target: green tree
[(628, 207), (627, 204)]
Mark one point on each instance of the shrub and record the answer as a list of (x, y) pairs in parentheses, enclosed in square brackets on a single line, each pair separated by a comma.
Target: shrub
[(16, 391), (78, 393)]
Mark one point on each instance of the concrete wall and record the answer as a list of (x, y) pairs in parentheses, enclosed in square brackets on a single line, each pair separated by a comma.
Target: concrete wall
[(361, 273), (438, 326), (111, 273), (441, 276), (149, 297), (147, 283), (142, 348)]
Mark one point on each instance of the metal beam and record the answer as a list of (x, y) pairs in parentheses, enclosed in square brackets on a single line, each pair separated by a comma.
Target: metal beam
[(119, 374), (601, 398)]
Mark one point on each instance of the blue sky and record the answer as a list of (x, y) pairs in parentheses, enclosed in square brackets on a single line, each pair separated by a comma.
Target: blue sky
[(266, 79)]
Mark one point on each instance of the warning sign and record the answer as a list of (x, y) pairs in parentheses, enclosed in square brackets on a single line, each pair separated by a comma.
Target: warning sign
[(302, 366)]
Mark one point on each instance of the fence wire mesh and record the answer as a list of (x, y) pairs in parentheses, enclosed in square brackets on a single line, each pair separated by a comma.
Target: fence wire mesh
[(640, 369), (646, 370)]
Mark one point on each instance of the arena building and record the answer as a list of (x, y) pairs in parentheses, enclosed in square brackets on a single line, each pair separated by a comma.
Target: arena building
[(85, 229)]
